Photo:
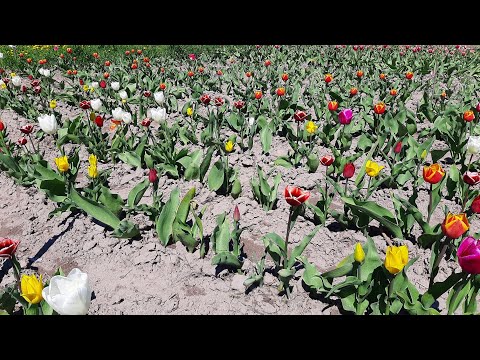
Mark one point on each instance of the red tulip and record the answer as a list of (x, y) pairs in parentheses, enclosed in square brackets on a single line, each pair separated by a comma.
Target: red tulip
[(162, 86), (328, 78), (147, 93), (152, 176), (81, 82), (74, 72), (103, 83), (359, 73), (327, 160), (398, 147), (268, 63), (127, 52), (383, 76), (348, 170), (2, 125), (30, 77), (258, 94), (295, 196), (471, 177), (455, 225), (469, 255), (192, 57), (468, 115), (134, 66), (35, 83), (433, 173), (146, 122), (22, 141), (478, 107), (205, 99), (99, 121), (353, 91), (393, 92), (379, 108), (95, 55), (85, 104), (218, 101), (409, 75), (280, 91), (236, 214), (332, 105), (219, 72), (8, 247), (248, 74), (190, 73), (300, 115), (201, 69), (285, 77), (107, 63), (476, 205), (27, 129), (239, 104), (69, 50)]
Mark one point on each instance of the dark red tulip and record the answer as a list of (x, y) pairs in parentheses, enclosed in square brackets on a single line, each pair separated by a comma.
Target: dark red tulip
[(85, 104), (205, 99), (471, 177), (99, 121), (476, 205), (327, 160), (147, 93), (219, 101), (22, 141), (398, 147), (239, 104), (27, 129), (300, 115), (348, 170), (152, 176), (146, 122)]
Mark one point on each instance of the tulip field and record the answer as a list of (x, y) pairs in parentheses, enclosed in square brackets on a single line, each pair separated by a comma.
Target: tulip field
[(239, 179)]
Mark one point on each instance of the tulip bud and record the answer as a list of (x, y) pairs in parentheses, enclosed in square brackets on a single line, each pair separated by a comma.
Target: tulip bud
[(398, 148), (348, 170), (2, 125), (359, 254), (236, 214), (152, 176), (99, 121)]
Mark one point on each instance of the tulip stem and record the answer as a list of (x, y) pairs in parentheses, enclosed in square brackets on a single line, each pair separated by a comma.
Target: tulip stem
[(469, 162), (346, 188), (285, 259), (430, 199), (390, 291), (465, 199), (16, 270), (326, 196), (368, 187)]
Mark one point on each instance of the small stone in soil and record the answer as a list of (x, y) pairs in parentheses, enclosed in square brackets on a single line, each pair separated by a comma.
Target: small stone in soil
[(237, 282)]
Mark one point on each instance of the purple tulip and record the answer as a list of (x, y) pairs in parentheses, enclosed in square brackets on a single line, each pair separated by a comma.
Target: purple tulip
[(345, 116), (469, 255)]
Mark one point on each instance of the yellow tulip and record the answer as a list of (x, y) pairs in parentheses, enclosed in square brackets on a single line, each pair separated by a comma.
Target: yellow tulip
[(396, 258), (372, 168), (85, 88), (189, 111), (53, 104), (31, 288), (3, 86), (13, 74), (311, 127), (92, 169), (359, 254), (229, 146), (62, 163), (124, 101), (424, 154)]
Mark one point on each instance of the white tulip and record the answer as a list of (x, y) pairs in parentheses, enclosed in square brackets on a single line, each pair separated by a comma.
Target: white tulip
[(48, 124), (41, 71), (473, 145), (123, 95), (96, 104), (158, 114), (94, 84), (12, 46), (159, 97), (17, 81), (115, 85), (1, 55), (117, 113), (69, 295), (149, 112), (251, 120), (127, 117)]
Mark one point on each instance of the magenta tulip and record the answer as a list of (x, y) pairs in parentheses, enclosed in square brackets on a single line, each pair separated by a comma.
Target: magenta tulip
[(469, 255), (345, 116)]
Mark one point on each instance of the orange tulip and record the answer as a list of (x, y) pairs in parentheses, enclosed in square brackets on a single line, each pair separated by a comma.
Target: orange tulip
[(332, 105), (433, 173), (409, 75), (383, 76), (393, 92), (359, 73), (328, 78), (353, 91), (455, 225)]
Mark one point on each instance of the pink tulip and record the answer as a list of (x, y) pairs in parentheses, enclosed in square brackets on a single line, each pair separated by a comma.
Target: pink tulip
[(469, 255), (192, 56), (345, 116)]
